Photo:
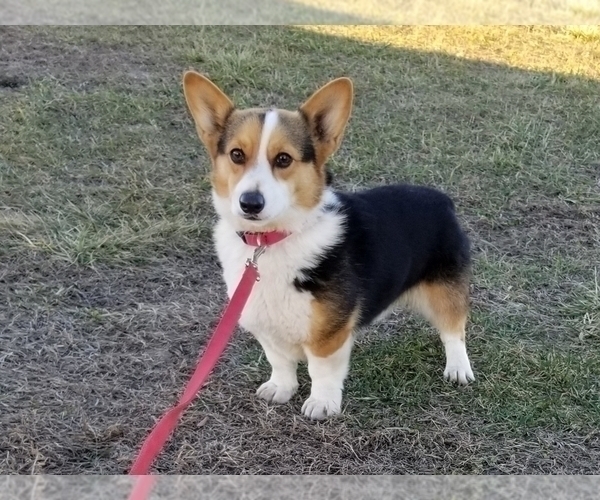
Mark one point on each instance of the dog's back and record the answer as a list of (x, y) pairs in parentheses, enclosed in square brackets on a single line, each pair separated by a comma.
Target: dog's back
[(395, 237)]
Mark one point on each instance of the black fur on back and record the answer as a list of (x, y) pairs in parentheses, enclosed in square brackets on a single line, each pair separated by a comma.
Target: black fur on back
[(395, 237)]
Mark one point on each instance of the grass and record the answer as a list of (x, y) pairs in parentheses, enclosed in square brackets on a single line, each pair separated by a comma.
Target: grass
[(110, 283)]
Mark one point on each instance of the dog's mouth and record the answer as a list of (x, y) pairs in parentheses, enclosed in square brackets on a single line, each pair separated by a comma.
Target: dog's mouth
[(251, 217), (253, 222)]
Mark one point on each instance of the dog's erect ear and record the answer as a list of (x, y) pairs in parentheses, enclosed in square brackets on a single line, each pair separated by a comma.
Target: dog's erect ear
[(327, 111), (209, 106)]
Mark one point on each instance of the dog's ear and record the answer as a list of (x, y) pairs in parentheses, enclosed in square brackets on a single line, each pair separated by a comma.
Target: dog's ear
[(327, 112), (209, 106)]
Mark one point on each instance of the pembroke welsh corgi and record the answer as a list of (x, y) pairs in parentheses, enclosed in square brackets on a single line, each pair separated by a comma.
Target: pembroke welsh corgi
[(334, 261)]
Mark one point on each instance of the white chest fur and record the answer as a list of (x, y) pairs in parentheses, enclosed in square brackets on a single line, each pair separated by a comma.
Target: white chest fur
[(276, 311)]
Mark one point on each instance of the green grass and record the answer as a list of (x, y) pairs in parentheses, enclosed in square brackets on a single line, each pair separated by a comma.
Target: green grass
[(110, 202), (105, 222), (524, 388)]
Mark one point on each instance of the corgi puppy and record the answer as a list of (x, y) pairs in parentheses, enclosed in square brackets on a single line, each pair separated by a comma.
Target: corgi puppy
[(334, 262)]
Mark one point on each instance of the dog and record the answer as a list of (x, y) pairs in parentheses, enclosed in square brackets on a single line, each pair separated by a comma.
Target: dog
[(336, 261)]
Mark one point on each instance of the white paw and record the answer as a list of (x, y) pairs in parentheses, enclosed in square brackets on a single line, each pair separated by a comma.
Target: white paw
[(461, 374), (319, 409), (274, 393), (458, 367)]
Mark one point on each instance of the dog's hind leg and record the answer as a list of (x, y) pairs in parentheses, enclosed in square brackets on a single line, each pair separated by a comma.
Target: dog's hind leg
[(446, 305)]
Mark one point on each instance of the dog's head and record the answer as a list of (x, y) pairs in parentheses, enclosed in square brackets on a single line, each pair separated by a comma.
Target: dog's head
[(268, 165)]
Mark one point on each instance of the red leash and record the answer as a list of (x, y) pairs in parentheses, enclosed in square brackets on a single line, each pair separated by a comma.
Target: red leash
[(161, 432)]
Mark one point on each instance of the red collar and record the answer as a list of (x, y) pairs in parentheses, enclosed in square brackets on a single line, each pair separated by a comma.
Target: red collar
[(265, 239)]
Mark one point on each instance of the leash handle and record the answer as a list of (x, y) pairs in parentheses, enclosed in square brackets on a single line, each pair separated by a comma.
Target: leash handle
[(161, 432)]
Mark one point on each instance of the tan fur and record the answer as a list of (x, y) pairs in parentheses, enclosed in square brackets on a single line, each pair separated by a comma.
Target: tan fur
[(307, 185), (328, 110), (243, 131), (445, 305), (246, 130), (307, 181), (209, 107), (329, 329)]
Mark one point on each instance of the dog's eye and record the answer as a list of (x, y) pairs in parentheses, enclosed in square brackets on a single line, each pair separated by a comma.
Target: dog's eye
[(283, 160), (237, 156)]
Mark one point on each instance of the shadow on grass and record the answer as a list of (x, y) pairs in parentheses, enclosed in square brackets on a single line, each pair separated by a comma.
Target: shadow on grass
[(110, 282)]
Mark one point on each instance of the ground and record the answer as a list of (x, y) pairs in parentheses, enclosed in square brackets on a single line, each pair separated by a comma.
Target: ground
[(109, 284)]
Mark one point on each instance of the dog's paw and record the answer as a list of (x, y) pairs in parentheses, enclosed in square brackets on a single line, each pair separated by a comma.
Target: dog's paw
[(319, 409), (458, 367), (462, 373), (274, 393)]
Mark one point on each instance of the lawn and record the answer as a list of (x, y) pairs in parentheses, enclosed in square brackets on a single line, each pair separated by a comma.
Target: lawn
[(109, 284)]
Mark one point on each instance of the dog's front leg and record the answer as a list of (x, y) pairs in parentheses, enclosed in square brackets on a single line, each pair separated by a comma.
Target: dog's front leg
[(283, 382), (327, 374)]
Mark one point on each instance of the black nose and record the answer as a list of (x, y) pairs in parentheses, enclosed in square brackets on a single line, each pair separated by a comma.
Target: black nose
[(252, 202)]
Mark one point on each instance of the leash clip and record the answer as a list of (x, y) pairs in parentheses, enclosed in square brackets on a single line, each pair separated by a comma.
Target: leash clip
[(254, 260)]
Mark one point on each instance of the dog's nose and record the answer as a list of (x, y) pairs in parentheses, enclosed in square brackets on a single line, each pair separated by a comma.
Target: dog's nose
[(252, 202)]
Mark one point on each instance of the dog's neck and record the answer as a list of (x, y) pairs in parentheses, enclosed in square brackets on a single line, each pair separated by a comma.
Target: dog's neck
[(262, 239)]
